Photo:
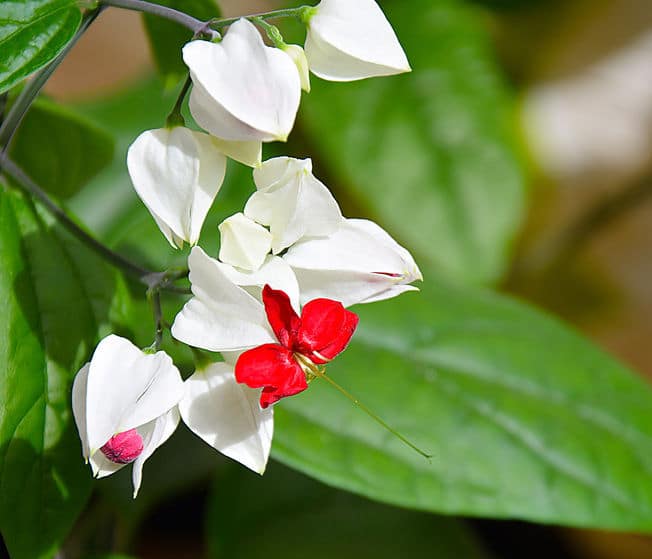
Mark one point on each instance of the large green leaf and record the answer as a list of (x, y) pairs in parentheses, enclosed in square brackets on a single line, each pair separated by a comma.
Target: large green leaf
[(294, 517), (32, 33), (167, 37), (54, 296), (59, 149), (525, 419), (428, 154)]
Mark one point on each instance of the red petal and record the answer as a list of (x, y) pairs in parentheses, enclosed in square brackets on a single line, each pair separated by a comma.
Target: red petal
[(326, 328), (273, 368), (282, 318)]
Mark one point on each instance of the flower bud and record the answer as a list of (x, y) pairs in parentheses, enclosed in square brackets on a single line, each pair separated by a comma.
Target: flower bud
[(177, 173), (351, 40), (243, 90)]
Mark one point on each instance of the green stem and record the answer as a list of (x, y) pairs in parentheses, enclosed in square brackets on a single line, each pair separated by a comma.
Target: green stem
[(288, 12), (31, 90), (319, 373), (175, 118), (197, 26)]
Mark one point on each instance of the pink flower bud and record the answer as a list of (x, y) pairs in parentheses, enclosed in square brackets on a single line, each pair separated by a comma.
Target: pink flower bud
[(123, 448)]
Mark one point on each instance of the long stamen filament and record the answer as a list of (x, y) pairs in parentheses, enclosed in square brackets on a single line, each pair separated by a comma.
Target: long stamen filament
[(319, 373)]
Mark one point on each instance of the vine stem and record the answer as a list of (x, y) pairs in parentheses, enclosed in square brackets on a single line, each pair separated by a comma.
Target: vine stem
[(28, 185), (320, 373), (31, 90), (154, 280), (197, 26), (298, 12)]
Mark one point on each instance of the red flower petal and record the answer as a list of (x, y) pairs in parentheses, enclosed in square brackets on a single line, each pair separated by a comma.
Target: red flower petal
[(326, 328), (273, 368), (282, 318)]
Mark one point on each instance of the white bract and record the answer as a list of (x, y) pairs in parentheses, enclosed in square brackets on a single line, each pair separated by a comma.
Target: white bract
[(227, 416), (351, 40), (243, 242), (292, 202), (177, 173), (222, 315), (359, 263), (298, 56), (120, 390), (243, 90)]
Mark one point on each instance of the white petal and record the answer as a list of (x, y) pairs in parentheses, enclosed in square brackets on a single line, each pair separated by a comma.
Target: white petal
[(358, 263), (292, 202), (358, 245), (101, 466), (274, 272), (227, 416), (346, 286), (221, 316), (79, 407), (154, 434), (247, 153), (177, 173), (243, 242), (127, 388), (298, 56), (242, 89), (352, 40)]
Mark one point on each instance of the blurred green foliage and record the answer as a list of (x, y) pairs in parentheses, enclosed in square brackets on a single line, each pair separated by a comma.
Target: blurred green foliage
[(32, 34)]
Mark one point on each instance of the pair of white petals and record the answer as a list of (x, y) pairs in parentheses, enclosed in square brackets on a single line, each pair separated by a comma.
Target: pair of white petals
[(123, 388)]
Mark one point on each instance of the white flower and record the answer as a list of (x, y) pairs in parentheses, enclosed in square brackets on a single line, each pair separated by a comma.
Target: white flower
[(222, 315), (177, 173), (124, 402), (242, 91), (351, 40), (359, 263), (292, 202), (243, 242), (227, 416), (298, 56)]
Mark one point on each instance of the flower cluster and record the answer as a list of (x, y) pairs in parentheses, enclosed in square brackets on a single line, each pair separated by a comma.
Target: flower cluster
[(275, 301)]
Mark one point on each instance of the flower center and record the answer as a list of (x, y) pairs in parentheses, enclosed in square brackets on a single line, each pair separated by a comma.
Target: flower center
[(124, 447)]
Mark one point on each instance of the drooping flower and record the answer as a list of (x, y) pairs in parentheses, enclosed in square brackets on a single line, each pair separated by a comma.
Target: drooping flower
[(226, 415), (243, 90), (322, 332), (351, 40), (177, 173), (292, 202), (225, 312), (124, 404), (358, 263)]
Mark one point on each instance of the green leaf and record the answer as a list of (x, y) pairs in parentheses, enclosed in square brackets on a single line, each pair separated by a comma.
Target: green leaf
[(167, 37), (525, 419), (32, 33), (59, 149), (428, 154), (55, 296), (294, 517)]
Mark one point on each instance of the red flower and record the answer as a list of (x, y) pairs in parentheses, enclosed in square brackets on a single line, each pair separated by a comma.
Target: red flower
[(321, 332)]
